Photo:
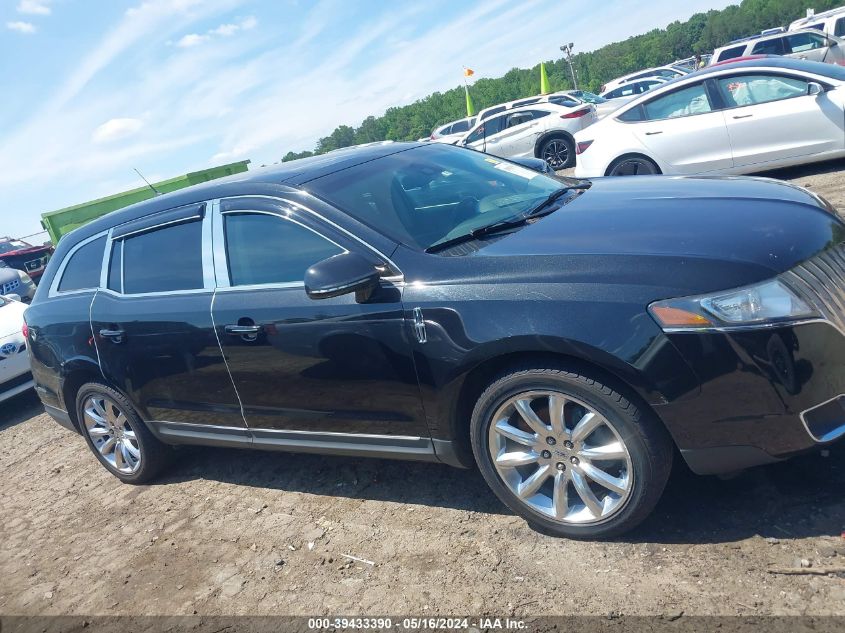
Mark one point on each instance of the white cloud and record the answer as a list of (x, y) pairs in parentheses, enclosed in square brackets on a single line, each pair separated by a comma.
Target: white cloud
[(116, 129), (191, 39), (21, 27), (224, 30), (34, 7)]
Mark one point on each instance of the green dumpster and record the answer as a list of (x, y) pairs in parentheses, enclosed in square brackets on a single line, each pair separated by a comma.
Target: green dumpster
[(61, 222)]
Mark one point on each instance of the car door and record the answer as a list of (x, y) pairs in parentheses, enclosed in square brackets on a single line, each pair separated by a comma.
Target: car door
[(683, 131), (485, 137), (806, 45), (304, 366), (518, 136), (152, 323), (772, 118)]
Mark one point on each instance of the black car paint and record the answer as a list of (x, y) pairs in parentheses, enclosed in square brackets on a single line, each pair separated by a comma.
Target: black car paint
[(573, 285)]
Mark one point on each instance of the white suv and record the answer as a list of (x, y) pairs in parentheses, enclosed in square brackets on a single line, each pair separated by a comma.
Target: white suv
[(541, 130), (831, 22), (808, 44)]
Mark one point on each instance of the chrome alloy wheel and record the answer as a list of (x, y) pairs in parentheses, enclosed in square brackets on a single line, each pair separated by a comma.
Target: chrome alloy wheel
[(556, 153), (112, 434), (560, 457)]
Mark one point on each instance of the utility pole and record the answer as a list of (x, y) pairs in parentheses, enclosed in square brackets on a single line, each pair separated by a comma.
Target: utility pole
[(567, 49)]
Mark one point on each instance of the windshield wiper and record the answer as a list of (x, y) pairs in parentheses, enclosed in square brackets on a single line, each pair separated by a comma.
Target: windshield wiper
[(503, 225), (556, 195)]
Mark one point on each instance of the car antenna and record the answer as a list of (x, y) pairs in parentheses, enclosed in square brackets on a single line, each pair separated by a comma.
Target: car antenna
[(158, 193)]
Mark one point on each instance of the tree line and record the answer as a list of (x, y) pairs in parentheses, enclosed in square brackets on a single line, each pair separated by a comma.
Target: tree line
[(701, 33)]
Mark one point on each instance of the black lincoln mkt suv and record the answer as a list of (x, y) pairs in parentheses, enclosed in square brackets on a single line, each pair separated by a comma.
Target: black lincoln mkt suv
[(429, 302)]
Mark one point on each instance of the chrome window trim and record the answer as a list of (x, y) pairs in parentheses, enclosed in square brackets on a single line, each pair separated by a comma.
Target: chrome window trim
[(301, 207), (205, 246), (54, 285)]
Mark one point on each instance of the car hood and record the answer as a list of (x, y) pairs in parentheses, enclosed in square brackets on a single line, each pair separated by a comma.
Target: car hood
[(25, 251), (698, 233)]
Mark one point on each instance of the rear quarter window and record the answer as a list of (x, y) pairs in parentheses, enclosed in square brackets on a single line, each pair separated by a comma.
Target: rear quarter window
[(83, 268), (731, 53)]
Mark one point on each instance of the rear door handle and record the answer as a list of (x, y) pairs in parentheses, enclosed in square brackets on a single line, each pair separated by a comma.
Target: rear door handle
[(240, 330), (653, 133), (114, 335), (743, 116)]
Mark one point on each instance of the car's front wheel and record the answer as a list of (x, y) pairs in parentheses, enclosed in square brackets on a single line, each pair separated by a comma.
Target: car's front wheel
[(571, 455), (117, 436)]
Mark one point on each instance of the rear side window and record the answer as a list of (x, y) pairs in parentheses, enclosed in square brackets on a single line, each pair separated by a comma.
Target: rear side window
[(769, 47), (164, 260), (839, 29), (460, 126), (83, 268), (685, 102), (267, 249), (731, 53)]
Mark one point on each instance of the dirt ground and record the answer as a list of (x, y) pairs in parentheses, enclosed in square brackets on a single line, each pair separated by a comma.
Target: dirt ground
[(237, 532)]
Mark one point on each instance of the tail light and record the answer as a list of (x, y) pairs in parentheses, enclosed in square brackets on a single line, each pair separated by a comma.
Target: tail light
[(575, 115), (25, 331), (603, 88), (581, 147), (432, 137)]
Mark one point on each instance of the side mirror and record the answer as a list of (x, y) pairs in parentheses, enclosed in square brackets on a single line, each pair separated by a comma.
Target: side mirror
[(13, 297), (340, 275), (814, 89)]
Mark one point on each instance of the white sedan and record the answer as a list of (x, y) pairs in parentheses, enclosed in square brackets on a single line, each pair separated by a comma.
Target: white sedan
[(541, 130), (15, 376), (736, 118)]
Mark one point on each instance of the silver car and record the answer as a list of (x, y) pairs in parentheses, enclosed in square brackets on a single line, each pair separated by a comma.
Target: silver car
[(14, 281), (803, 44)]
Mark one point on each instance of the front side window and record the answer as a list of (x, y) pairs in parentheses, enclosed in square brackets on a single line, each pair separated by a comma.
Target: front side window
[(83, 268), (164, 260), (839, 29), (420, 196), (488, 128), (268, 249), (745, 90), (684, 102), (802, 42), (731, 53)]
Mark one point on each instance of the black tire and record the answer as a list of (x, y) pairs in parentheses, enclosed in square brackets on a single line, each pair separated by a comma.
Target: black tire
[(642, 166), (154, 455), (648, 443), (568, 147)]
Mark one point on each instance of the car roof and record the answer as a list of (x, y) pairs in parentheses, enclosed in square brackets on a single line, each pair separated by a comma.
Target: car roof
[(280, 177)]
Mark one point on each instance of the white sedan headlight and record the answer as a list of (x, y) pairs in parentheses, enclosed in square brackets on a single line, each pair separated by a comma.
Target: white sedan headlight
[(764, 303)]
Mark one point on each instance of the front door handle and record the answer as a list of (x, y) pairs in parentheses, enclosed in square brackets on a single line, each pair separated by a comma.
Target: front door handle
[(241, 330), (653, 133), (114, 335), (743, 116)]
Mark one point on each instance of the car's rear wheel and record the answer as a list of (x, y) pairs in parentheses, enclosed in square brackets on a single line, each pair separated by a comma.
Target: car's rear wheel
[(633, 166), (558, 152), (117, 436), (571, 455)]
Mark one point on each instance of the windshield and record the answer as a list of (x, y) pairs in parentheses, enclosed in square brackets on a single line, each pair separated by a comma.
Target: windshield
[(7, 246), (589, 97), (433, 193)]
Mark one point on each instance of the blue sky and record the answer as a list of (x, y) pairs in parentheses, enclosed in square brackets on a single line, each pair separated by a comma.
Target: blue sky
[(94, 88)]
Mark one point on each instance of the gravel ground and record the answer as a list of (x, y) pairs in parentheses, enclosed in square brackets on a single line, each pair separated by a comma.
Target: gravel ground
[(237, 532)]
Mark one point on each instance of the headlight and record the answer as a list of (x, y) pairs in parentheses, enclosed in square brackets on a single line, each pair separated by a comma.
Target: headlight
[(764, 303)]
